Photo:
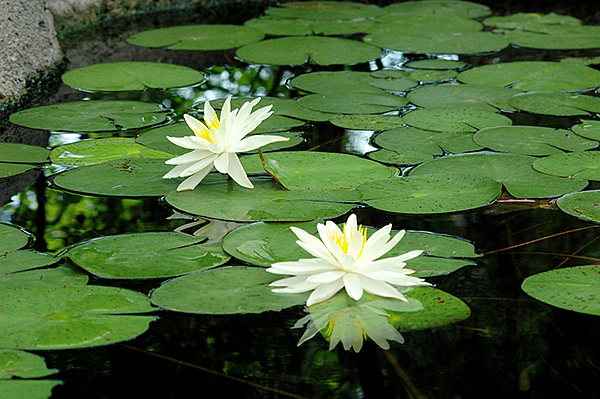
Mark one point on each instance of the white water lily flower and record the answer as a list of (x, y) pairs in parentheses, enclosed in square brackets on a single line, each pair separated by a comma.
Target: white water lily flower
[(346, 259), (216, 143)]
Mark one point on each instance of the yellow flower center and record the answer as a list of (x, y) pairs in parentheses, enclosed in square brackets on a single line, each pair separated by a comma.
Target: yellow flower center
[(344, 241), (205, 133)]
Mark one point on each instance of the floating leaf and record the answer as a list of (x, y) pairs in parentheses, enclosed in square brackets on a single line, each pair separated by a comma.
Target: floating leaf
[(515, 172), (125, 76), (281, 106), (226, 290), (532, 140), (146, 255), (435, 64), (305, 27), (91, 152), (571, 288), (485, 97), (588, 129), (299, 50), (120, 178), (366, 122), (554, 37), (21, 153), (13, 169), (90, 116), (197, 37), (14, 363), (439, 309), (559, 104), (458, 8), (533, 76), (353, 82), (583, 205), (225, 200), (324, 10), (65, 317), (17, 261), (410, 24), (11, 238), (432, 76), (527, 21), (430, 193), (57, 276), (27, 389), (455, 118), (353, 103)]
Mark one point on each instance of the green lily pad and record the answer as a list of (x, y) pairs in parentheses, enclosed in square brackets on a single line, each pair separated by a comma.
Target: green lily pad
[(583, 205), (424, 76), (226, 290), (532, 140), (135, 177), (366, 122), (433, 193), (27, 389), (11, 238), (281, 107), (146, 255), (514, 171), (14, 169), (14, 363), (572, 288), (581, 60), (353, 103), (404, 157), (91, 152), (409, 139), (321, 171), (435, 64), (126, 76), (267, 201), (455, 118), (21, 153), (439, 309), (588, 129), (65, 317), (410, 24), (559, 104), (304, 27), (458, 8), (353, 82), (90, 116), (56, 276), (533, 76), (299, 50), (324, 10), (527, 21), (485, 97), (17, 261), (197, 37), (553, 37)]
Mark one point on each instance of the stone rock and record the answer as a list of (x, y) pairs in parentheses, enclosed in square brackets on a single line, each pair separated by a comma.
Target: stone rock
[(28, 46)]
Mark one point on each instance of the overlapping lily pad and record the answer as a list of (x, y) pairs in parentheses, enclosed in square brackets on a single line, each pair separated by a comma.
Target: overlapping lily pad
[(572, 288), (15, 363), (299, 50), (431, 193), (16, 261), (464, 95), (27, 389), (133, 177), (458, 8), (514, 171), (65, 317), (197, 37), (324, 10), (366, 122), (55, 276), (554, 37), (559, 104), (21, 153), (589, 129), (281, 107), (577, 165), (303, 27), (529, 21), (91, 116), (267, 201), (353, 81), (532, 140), (353, 103), (128, 76), (226, 290), (584, 205), (455, 118), (533, 76), (91, 152), (11, 238), (435, 64), (146, 255), (13, 169)]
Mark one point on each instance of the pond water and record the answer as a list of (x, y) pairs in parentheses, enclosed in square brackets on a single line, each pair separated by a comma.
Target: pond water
[(511, 345)]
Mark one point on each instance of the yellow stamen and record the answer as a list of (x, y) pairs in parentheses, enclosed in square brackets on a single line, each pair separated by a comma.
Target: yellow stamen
[(205, 133), (344, 241)]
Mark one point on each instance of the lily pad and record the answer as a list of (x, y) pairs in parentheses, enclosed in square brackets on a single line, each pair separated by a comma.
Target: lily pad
[(366, 122), (17, 261), (554, 37), (304, 27), (146, 255), (439, 309), (127, 76), (90, 116), (226, 290), (465, 9), (588, 129), (583, 205), (353, 103), (432, 193), (11, 238), (66, 317), (406, 139), (281, 107), (532, 140), (14, 169), (135, 177), (299, 50), (324, 10), (197, 37), (14, 363), (267, 201), (559, 104), (572, 288), (485, 97), (56, 276), (455, 118), (21, 153), (527, 21), (424, 76), (533, 76), (514, 171), (435, 64), (411, 24), (353, 81), (91, 152), (321, 171), (27, 389)]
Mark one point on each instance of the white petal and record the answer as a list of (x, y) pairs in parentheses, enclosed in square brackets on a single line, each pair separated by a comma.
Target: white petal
[(189, 142), (237, 172), (353, 286), (313, 245), (380, 288), (324, 292), (351, 225), (222, 163), (302, 266), (198, 127), (191, 182), (189, 157), (355, 245), (326, 277), (253, 142), (397, 278), (176, 171)]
